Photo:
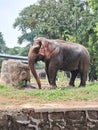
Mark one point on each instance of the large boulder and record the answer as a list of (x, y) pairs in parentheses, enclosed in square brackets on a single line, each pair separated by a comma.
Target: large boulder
[(14, 72)]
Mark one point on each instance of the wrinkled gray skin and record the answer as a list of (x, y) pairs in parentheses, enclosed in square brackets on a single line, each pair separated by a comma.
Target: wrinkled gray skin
[(59, 55)]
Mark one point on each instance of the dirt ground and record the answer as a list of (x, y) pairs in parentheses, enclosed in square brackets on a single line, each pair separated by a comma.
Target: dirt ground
[(11, 103), (26, 102)]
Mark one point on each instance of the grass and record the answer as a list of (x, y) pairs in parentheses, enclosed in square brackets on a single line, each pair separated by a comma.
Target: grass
[(88, 93)]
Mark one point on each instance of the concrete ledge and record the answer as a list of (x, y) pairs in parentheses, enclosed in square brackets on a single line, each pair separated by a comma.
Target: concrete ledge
[(49, 118)]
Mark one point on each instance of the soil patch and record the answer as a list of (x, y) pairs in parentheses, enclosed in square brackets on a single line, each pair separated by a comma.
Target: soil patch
[(14, 103)]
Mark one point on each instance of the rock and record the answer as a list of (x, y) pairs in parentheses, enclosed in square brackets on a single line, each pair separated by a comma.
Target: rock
[(14, 72), (42, 74)]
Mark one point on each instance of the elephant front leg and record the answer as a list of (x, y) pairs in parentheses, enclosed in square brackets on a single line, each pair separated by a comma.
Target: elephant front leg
[(52, 72), (46, 69)]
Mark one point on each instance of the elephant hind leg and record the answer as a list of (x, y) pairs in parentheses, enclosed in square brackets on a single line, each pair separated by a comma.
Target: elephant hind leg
[(83, 77), (73, 77)]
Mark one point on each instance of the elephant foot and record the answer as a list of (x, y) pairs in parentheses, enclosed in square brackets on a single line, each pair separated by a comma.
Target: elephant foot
[(82, 85), (72, 85), (52, 87)]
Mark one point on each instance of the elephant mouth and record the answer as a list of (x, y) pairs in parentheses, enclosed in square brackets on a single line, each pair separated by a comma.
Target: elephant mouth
[(38, 58)]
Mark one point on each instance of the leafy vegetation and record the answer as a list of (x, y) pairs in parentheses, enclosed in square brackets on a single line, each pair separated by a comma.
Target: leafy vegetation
[(2, 43), (69, 20)]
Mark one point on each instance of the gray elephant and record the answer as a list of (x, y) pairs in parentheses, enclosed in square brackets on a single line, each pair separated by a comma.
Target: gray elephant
[(59, 55)]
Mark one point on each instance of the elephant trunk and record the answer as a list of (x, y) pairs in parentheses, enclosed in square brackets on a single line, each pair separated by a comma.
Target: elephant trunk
[(31, 62)]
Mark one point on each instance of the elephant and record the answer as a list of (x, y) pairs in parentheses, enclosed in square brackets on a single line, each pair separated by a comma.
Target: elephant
[(59, 55)]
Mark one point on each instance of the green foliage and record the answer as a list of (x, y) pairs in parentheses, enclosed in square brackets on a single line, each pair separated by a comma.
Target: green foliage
[(21, 84), (61, 75), (13, 51), (93, 4), (56, 19), (2, 44), (21, 51), (3, 47), (69, 20), (40, 65), (26, 37), (24, 50)]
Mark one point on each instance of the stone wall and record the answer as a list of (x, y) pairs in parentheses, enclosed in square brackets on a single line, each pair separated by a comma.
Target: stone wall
[(61, 119), (14, 72)]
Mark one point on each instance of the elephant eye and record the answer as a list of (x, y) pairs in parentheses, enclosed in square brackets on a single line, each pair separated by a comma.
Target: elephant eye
[(36, 49), (42, 47)]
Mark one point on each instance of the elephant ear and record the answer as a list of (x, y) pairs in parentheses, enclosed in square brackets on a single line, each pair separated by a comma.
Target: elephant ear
[(43, 48), (36, 45), (48, 49)]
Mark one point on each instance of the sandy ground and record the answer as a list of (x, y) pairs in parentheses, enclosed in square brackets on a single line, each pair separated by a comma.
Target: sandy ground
[(13, 104)]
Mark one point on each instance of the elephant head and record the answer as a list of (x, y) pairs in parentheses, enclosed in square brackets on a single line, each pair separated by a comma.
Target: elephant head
[(42, 49)]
